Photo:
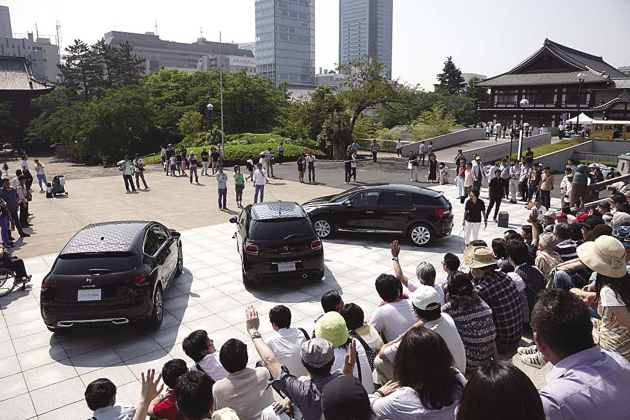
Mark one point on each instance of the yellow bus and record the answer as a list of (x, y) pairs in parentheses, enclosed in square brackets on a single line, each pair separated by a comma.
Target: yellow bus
[(610, 130)]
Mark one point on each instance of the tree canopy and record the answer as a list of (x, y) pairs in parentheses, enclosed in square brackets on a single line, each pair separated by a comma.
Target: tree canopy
[(450, 81)]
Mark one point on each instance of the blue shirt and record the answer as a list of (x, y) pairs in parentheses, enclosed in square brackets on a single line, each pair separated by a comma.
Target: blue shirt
[(593, 384), (10, 196), (222, 180)]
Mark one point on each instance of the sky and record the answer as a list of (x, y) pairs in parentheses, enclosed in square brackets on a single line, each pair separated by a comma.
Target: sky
[(484, 36)]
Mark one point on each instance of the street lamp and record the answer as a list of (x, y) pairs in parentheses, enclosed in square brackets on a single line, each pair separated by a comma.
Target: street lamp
[(210, 108), (524, 103), (581, 77)]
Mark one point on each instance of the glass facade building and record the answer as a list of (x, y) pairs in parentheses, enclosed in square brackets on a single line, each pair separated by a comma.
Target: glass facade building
[(285, 41), (365, 29)]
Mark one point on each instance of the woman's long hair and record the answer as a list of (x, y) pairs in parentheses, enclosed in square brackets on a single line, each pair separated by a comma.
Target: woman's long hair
[(621, 287), (460, 291), (424, 362)]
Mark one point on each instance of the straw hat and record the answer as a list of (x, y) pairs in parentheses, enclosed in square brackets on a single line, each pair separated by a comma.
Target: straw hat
[(549, 240), (606, 255), (479, 257), (551, 214)]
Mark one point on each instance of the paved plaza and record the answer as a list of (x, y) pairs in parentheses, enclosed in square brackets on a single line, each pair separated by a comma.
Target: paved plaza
[(43, 376)]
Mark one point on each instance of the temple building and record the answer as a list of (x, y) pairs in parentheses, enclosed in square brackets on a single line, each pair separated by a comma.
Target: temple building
[(551, 80)]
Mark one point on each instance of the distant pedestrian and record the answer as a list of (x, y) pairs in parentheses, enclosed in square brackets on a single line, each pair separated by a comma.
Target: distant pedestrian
[(192, 163), (374, 149), (399, 147), (412, 165), (41, 174), (422, 152), (178, 162), (24, 196), (239, 186), (347, 166), (126, 167), (301, 163), (432, 172), (169, 162), (488, 131), (260, 179), (268, 155), (9, 195), (204, 162), (163, 158), (214, 155), (459, 180), (280, 153), (529, 157), (172, 164), (26, 172), (430, 148), (310, 161), (250, 167), (353, 165), (222, 187), (138, 170)]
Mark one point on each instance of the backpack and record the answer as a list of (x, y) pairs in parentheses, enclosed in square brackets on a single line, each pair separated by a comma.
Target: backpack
[(369, 352)]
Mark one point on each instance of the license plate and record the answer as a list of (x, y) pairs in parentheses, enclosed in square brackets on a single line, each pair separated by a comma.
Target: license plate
[(289, 266), (89, 295)]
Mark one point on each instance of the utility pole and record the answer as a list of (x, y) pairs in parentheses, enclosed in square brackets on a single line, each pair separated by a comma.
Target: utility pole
[(156, 28), (58, 27), (221, 91)]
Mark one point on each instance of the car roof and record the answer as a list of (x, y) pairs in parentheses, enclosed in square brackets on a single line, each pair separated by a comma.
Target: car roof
[(277, 210), (402, 188), (117, 236)]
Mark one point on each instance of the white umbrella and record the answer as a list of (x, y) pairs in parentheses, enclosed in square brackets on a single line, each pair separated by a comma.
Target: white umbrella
[(584, 119)]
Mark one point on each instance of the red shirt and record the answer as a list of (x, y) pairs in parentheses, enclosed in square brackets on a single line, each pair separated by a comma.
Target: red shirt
[(167, 408)]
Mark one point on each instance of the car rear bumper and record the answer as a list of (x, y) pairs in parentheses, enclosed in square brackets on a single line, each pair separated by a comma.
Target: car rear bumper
[(444, 226), (259, 269), (58, 316)]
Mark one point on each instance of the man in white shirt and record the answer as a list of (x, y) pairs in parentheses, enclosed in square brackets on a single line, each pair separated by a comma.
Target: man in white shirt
[(201, 349), (286, 342), (100, 396), (126, 167), (310, 163), (260, 179), (399, 147), (396, 315), (429, 312), (424, 271), (515, 177)]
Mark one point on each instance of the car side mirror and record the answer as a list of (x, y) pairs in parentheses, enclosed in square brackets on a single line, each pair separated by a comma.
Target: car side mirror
[(348, 203), (175, 233), (232, 219)]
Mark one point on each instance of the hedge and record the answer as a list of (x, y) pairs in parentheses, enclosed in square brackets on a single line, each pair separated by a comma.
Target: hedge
[(238, 154), (550, 148), (247, 138)]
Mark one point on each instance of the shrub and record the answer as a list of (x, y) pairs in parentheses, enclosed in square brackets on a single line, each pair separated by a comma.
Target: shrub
[(250, 138)]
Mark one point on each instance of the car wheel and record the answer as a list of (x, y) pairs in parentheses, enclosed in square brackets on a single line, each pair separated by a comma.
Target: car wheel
[(247, 282), (157, 314), (180, 261), (323, 228), (420, 235)]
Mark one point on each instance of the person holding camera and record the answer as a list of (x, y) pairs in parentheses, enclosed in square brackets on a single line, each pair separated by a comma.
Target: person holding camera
[(139, 171)]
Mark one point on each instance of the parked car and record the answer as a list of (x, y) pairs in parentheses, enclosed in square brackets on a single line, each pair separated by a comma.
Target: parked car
[(111, 273), (277, 240), (419, 213)]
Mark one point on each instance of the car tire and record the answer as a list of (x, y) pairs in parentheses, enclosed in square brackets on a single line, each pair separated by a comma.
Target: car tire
[(180, 261), (324, 228), (157, 313), (247, 282), (420, 234)]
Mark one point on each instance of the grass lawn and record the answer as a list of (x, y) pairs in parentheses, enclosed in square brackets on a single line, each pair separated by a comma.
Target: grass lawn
[(549, 148)]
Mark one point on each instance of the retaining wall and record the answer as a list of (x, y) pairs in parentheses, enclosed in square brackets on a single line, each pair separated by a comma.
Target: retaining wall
[(557, 161), (502, 148), (448, 140)]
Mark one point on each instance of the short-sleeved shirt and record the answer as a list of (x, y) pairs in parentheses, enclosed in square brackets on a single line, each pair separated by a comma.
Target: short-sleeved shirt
[(609, 332), (286, 344), (215, 156), (306, 395), (413, 159), (167, 409), (534, 283), (116, 412), (204, 156), (393, 319), (211, 366), (474, 210), (193, 162)]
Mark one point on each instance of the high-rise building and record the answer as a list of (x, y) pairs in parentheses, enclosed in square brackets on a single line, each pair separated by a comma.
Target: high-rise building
[(285, 41), (365, 29), (5, 22)]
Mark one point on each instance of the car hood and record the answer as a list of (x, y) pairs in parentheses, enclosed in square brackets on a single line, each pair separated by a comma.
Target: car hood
[(319, 200)]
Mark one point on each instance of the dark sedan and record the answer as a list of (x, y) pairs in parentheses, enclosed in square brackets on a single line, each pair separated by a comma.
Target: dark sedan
[(419, 213), (111, 273)]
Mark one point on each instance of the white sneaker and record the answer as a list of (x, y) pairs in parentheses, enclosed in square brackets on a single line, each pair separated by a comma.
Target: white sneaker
[(534, 360), (527, 350)]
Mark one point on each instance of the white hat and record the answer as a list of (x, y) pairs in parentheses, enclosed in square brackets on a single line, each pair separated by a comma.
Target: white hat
[(606, 255), (425, 298)]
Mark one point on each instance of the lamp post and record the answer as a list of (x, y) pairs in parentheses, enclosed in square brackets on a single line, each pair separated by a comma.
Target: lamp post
[(524, 103), (210, 107), (581, 77)]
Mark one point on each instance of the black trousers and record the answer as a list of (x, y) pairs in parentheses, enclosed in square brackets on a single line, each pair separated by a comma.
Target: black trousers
[(29, 179), (24, 214), (311, 170), (374, 156), (522, 186), (348, 173), (14, 264), (496, 203), (129, 180), (16, 220)]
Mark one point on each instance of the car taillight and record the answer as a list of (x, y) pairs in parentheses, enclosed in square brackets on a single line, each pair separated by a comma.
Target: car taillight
[(251, 249), (47, 284), (136, 280), (440, 213), (316, 245)]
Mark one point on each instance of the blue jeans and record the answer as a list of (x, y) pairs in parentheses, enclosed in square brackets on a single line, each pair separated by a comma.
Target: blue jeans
[(222, 196), (4, 229), (259, 189), (42, 178)]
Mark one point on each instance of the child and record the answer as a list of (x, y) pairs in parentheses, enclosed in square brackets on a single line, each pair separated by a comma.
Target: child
[(100, 396), (443, 171), (173, 165), (49, 191), (164, 405), (201, 349)]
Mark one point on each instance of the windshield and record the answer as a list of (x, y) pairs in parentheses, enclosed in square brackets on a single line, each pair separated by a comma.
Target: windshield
[(95, 263), (274, 230), (340, 198)]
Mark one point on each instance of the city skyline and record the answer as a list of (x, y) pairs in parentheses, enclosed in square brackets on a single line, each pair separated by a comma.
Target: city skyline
[(485, 39)]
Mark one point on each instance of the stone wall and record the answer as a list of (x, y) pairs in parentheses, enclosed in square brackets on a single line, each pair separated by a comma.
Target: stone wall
[(502, 149), (448, 140)]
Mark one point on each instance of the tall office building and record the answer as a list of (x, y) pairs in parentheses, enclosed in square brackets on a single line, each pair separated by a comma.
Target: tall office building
[(5, 22), (285, 41), (365, 29)]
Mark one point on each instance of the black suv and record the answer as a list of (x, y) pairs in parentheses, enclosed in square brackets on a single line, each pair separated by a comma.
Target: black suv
[(419, 213), (277, 240)]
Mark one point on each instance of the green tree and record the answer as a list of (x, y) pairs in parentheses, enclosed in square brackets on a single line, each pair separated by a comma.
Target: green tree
[(478, 94), (450, 81), (190, 124), (432, 123), (107, 58), (7, 122), (130, 68), (58, 121), (81, 69)]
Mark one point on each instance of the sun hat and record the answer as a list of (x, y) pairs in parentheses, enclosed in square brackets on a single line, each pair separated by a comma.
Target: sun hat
[(549, 240), (550, 213), (317, 352), (225, 414), (605, 255), (561, 215), (479, 257), (620, 219), (332, 327), (425, 298), (345, 398)]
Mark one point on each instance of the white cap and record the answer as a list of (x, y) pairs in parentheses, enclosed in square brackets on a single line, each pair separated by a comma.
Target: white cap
[(425, 298)]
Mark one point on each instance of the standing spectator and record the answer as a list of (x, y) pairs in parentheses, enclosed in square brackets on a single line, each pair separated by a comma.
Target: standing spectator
[(374, 149), (413, 166), (40, 171), (488, 130), (354, 146), (260, 179), (396, 315), (26, 172), (479, 172), (310, 161), (524, 180), (173, 164), (469, 181), (546, 185), (163, 158), (10, 197), (585, 382), (280, 153), (214, 155), (473, 211), (345, 398), (222, 186), (565, 188), (515, 176), (399, 147), (347, 166), (500, 293), (168, 154), (422, 152), (301, 163), (500, 390), (459, 180), (195, 401), (178, 162), (192, 167), (201, 350), (287, 342), (165, 405), (184, 161), (459, 158), (505, 176), (24, 196), (239, 186), (268, 155), (529, 157), (432, 172), (495, 191), (138, 165), (430, 148), (7, 241), (571, 164), (250, 168), (353, 166), (204, 162), (473, 319), (126, 167), (244, 390), (533, 188)]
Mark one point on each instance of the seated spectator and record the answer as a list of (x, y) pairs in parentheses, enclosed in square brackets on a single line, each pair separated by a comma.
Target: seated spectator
[(500, 390), (546, 259), (500, 253), (425, 272), (501, 295), (201, 349), (428, 311), (526, 233), (478, 242), (359, 329), (344, 398), (571, 272), (549, 220), (473, 319), (566, 248), (604, 209), (396, 316), (585, 382), (286, 342), (616, 200), (317, 356), (245, 390), (620, 219), (164, 406), (331, 301), (427, 384), (194, 398), (588, 227), (450, 264), (332, 327), (533, 278)]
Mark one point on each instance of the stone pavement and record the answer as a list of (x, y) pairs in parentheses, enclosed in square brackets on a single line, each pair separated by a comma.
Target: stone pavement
[(43, 375)]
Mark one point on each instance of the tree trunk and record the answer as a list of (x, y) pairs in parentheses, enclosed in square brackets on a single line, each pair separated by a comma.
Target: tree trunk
[(339, 148)]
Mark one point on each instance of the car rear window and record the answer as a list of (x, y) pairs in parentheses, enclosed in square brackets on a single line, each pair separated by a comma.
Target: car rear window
[(427, 200), (78, 264), (269, 230)]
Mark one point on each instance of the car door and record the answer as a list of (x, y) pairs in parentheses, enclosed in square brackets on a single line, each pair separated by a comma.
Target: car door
[(394, 210), (158, 246), (361, 211), (241, 231)]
